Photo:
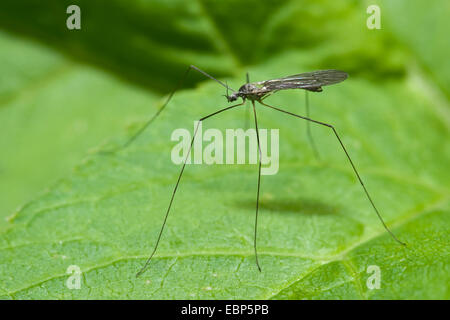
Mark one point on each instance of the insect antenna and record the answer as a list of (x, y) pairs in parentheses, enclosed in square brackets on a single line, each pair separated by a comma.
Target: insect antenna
[(177, 87), (227, 95)]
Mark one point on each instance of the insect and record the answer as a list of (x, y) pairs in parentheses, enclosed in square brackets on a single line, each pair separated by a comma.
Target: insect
[(258, 92)]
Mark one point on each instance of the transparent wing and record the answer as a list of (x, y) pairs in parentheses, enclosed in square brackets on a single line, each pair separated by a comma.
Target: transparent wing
[(309, 80)]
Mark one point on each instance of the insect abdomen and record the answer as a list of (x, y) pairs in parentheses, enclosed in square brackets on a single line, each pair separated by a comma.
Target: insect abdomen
[(315, 89)]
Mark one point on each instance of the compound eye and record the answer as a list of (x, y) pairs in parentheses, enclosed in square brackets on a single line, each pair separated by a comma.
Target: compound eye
[(232, 98)]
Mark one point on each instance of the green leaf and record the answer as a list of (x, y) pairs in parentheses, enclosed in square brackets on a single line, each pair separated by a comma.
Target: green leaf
[(148, 42), (317, 233), (52, 110), (421, 29)]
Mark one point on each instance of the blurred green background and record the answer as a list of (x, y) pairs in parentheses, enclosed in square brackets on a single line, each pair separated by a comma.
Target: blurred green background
[(65, 93)]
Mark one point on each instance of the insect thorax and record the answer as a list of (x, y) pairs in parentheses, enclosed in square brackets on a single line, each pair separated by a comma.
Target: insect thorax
[(250, 91)]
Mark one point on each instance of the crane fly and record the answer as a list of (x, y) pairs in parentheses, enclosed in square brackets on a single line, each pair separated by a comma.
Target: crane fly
[(311, 81), (257, 92)]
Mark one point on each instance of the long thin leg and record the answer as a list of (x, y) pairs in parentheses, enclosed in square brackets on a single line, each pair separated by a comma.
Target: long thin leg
[(259, 183), (246, 109), (308, 128), (247, 116), (349, 159), (178, 181), (179, 84)]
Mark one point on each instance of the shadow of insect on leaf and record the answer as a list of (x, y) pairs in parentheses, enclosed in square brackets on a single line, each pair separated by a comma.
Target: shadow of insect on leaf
[(302, 206)]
